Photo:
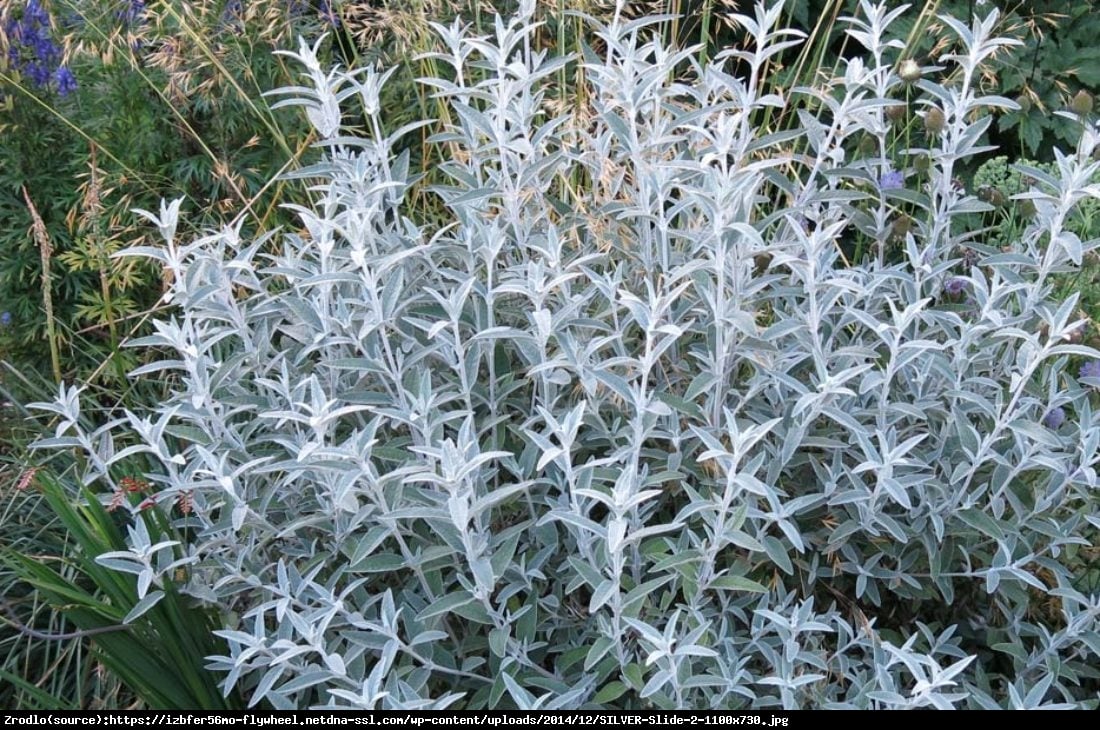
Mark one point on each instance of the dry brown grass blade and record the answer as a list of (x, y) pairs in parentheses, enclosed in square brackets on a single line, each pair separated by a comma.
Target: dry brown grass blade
[(42, 238)]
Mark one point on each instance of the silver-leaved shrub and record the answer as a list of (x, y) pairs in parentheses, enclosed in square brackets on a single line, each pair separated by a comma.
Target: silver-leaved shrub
[(632, 427)]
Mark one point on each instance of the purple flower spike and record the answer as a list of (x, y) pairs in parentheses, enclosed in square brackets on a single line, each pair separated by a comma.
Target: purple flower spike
[(1054, 418), (33, 52), (38, 74), (891, 179), (35, 13)]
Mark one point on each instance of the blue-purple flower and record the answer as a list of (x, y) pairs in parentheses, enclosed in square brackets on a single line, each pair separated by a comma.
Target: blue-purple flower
[(33, 52), (5, 319), (66, 82), (1091, 369), (38, 73), (955, 286), (35, 13), (1054, 418), (891, 179)]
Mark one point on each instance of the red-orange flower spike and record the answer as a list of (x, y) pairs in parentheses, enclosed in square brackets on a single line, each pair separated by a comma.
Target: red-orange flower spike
[(132, 485), (26, 478), (116, 500), (185, 503), (147, 503)]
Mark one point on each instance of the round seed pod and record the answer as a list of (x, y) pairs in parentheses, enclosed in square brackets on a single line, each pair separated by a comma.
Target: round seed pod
[(867, 144), (1082, 103), (909, 71), (922, 163), (934, 120), (1026, 208), (897, 112), (761, 262), (1025, 103), (1077, 334), (901, 226)]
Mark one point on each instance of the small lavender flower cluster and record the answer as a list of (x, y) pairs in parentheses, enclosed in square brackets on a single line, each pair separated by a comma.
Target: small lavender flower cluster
[(33, 52), (955, 286), (892, 180), (1054, 418)]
